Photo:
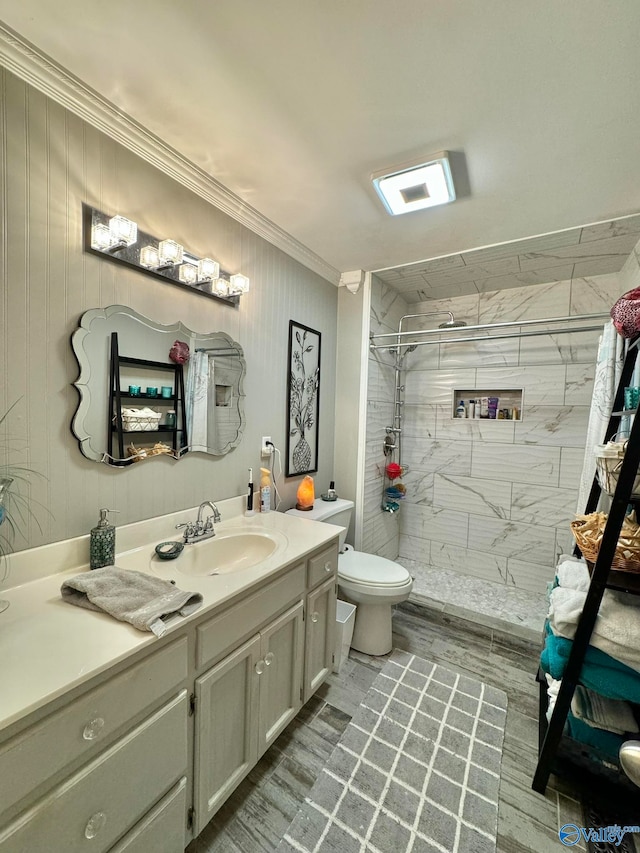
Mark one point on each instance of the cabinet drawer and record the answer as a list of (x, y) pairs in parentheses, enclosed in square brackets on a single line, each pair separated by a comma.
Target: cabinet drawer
[(322, 566), (229, 628), (162, 830), (92, 809), (79, 729)]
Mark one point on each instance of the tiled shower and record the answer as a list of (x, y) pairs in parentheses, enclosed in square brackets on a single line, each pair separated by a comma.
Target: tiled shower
[(487, 499)]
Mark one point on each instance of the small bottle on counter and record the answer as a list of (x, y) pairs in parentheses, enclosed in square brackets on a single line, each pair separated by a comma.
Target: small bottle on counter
[(102, 544)]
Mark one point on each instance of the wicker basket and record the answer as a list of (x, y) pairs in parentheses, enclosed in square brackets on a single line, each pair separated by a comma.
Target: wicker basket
[(588, 531), (140, 420), (609, 459)]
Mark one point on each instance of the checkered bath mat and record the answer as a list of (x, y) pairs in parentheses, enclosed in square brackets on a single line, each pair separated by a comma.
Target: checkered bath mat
[(417, 769)]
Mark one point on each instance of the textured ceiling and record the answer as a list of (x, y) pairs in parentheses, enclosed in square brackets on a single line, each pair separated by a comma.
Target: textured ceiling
[(293, 105)]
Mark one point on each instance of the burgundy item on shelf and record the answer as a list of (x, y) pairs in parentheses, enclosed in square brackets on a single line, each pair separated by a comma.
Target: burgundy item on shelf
[(626, 314), (179, 352)]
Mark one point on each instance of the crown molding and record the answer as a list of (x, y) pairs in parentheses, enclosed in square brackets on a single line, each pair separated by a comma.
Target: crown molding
[(25, 61)]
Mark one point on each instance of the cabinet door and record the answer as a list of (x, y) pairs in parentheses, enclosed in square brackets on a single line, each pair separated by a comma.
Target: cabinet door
[(320, 633), (281, 678), (225, 734)]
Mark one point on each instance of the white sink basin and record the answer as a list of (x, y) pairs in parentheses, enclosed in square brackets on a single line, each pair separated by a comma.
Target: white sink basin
[(228, 551)]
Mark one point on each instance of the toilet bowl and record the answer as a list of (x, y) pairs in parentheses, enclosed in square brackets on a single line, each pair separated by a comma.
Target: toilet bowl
[(374, 584)]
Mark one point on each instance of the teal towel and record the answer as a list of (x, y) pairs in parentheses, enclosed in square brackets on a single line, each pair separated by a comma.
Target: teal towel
[(605, 742), (600, 672)]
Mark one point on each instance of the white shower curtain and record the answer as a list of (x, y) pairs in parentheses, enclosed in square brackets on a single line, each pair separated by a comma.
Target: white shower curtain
[(608, 370)]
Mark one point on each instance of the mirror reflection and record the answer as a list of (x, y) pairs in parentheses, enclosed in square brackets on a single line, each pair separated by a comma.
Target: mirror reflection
[(151, 390)]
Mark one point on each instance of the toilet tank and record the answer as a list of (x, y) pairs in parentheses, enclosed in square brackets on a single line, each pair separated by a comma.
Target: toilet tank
[(332, 512)]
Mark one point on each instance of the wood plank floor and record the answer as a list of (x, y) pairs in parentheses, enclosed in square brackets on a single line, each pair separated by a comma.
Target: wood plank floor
[(258, 814)]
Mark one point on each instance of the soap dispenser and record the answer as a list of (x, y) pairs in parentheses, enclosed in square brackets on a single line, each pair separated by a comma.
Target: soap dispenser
[(102, 547)]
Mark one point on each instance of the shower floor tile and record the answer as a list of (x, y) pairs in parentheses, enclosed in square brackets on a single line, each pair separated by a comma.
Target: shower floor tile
[(508, 608)]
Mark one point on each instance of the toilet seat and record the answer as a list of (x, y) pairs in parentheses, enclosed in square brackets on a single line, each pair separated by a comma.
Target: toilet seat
[(360, 569)]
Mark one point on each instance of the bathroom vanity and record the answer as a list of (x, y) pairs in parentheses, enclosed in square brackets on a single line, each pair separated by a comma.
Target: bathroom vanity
[(114, 740)]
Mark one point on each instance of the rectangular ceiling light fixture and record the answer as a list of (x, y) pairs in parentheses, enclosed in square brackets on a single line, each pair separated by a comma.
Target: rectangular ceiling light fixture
[(416, 186)]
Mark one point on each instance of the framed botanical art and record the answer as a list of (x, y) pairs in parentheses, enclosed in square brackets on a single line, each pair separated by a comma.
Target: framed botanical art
[(303, 398)]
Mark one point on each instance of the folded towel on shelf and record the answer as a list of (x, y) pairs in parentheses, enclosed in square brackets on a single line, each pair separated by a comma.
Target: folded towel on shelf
[(553, 687), (143, 600), (617, 628), (600, 672), (574, 574), (607, 743), (600, 712)]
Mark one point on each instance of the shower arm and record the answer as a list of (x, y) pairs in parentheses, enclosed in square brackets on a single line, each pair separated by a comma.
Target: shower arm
[(482, 327)]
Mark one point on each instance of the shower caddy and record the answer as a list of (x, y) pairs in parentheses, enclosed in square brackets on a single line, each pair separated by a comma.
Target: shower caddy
[(558, 753)]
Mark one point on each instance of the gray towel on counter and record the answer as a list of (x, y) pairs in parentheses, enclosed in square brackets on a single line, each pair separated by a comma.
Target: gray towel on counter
[(142, 600)]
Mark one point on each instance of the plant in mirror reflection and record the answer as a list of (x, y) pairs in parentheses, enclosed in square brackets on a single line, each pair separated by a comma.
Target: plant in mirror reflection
[(17, 506)]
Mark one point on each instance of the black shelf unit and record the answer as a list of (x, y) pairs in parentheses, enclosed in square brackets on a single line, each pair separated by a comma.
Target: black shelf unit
[(558, 753), (115, 428)]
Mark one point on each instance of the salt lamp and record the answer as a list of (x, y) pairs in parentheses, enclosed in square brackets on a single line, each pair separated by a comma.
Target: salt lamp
[(305, 494)]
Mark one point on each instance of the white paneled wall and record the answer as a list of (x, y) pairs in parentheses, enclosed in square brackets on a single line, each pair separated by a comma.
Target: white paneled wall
[(52, 162), (490, 499)]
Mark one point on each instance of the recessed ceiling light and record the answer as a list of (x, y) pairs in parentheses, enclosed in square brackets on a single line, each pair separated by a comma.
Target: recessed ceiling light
[(416, 186)]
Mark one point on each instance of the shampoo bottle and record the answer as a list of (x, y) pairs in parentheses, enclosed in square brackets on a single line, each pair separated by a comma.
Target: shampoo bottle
[(102, 546), (265, 490)]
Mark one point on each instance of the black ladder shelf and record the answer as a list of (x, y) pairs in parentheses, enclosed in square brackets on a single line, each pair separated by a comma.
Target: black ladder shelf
[(602, 578), (116, 431)]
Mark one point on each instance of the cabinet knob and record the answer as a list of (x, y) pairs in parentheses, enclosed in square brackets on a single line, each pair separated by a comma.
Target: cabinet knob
[(93, 729), (95, 824), (260, 667), (268, 658), (315, 616), (328, 567)]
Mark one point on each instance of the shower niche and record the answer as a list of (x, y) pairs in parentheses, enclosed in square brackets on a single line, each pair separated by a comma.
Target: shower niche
[(487, 404)]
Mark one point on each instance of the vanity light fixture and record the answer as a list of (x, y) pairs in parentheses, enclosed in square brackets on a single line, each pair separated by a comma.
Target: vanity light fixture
[(415, 186), (120, 240)]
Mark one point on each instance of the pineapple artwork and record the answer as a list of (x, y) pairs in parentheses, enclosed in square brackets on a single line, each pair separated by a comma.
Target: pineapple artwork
[(304, 381)]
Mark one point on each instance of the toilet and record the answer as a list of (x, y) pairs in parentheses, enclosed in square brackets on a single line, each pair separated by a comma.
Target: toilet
[(374, 584)]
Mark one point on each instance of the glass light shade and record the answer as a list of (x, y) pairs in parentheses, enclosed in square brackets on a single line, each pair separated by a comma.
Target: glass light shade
[(188, 273), (221, 287), (239, 283), (208, 269), (416, 187), (170, 252), (149, 257), (124, 231), (100, 236)]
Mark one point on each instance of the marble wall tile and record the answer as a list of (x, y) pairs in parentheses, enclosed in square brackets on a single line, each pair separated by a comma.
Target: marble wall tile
[(473, 271), (419, 421), (425, 357), (462, 307), (419, 486), (429, 455), (512, 539), (441, 525), (619, 246), (485, 352), (603, 230), (604, 265), (571, 462), (382, 378), (387, 307), (379, 416), (525, 278), (578, 389), (553, 426), (436, 386), (516, 463), (390, 549), (533, 577), (381, 531), (472, 429), (530, 303), (414, 548), (630, 272), (491, 567), (574, 347), (565, 542), (539, 386), (545, 505), (466, 494)]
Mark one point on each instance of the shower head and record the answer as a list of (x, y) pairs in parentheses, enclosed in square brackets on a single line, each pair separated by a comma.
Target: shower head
[(452, 324)]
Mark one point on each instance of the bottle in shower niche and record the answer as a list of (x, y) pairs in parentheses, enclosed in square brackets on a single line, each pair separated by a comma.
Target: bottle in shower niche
[(460, 411), (471, 410), (102, 544)]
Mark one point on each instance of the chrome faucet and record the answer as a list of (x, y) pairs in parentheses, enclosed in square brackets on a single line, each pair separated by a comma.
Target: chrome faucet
[(202, 528)]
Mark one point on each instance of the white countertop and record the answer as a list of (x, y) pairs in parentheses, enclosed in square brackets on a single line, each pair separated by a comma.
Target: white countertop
[(48, 646)]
